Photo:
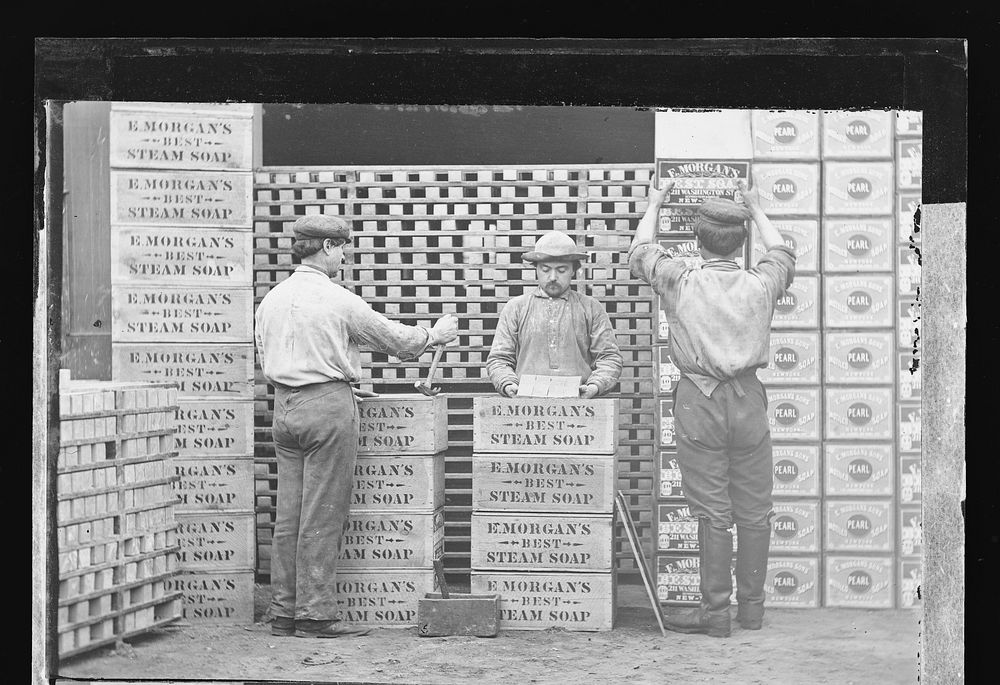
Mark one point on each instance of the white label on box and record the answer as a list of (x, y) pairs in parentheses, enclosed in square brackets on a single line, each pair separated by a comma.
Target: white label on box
[(677, 529), (909, 376), (789, 134), (792, 582), (909, 123), (907, 205), (908, 322), (864, 413), (858, 526), (860, 357), (796, 470), (795, 527), (793, 414), (788, 189), (863, 582), (667, 371), (908, 272), (801, 236), (853, 245), (798, 307), (794, 359), (909, 154), (909, 479), (698, 180), (220, 199), (911, 577), (861, 302), (670, 475), (849, 135), (858, 470), (909, 427), (858, 188), (666, 421), (678, 577), (911, 536)]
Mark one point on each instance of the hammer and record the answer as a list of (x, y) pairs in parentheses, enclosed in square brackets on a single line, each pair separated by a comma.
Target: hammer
[(424, 386)]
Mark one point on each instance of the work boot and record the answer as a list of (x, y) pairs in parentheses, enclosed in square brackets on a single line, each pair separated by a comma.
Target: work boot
[(751, 571), (328, 629), (715, 559), (283, 626)]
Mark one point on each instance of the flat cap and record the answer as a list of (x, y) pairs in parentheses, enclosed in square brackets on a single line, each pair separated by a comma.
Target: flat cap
[(721, 210), (321, 226)]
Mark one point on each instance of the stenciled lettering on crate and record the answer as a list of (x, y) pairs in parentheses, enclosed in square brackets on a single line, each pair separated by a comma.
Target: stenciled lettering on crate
[(793, 414), (858, 188), (859, 357), (792, 582), (148, 135), (858, 413), (208, 370), (379, 539), (399, 482), (801, 236), (911, 537), (698, 180), (670, 475), (795, 527), (862, 582), (182, 256), (214, 483), (214, 428), (794, 359), (529, 482), (857, 244), (147, 313), (796, 470), (215, 597), (217, 199), (216, 541), (403, 424), (798, 306), (858, 301), (541, 542), (382, 597), (532, 425), (909, 479), (538, 601)]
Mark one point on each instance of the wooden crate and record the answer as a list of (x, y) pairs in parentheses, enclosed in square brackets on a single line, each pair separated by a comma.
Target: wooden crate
[(205, 483), (538, 601), (390, 539), (533, 425), (541, 542), (216, 370), (215, 597), (400, 482), (147, 313), (214, 428), (217, 541), (382, 597), (545, 483), (403, 424)]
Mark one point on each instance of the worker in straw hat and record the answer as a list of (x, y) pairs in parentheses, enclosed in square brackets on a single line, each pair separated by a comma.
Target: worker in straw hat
[(308, 330), (552, 330), (720, 328)]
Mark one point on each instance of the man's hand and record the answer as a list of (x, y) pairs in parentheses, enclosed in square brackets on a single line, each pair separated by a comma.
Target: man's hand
[(656, 195), (751, 197), (445, 329), (510, 390), (588, 391)]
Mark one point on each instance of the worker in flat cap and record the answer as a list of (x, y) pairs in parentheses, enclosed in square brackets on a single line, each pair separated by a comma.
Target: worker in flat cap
[(720, 325), (554, 330), (308, 331)]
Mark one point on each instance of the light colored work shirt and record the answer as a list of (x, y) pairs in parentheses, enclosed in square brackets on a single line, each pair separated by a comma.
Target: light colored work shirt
[(719, 315), (570, 335), (308, 329)]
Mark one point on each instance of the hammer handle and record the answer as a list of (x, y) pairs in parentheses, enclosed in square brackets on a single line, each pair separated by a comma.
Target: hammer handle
[(438, 351)]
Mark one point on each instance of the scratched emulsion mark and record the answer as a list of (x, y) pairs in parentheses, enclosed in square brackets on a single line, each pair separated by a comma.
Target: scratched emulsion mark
[(915, 359)]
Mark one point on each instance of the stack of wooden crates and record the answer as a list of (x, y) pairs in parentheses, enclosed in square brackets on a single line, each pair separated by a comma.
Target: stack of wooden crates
[(395, 529), (116, 533), (543, 479)]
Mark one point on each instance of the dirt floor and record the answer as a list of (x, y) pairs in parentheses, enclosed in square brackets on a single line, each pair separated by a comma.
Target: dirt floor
[(843, 646)]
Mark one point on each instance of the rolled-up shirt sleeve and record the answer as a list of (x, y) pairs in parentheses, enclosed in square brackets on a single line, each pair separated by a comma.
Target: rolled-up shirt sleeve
[(651, 263), (371, 329), (502, 359), (776, 270), (603, 350)]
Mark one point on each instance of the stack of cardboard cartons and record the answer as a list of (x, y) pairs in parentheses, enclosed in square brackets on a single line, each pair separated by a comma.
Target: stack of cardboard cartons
[(543, 474), (395, 529), (116, 532), (182, 310)]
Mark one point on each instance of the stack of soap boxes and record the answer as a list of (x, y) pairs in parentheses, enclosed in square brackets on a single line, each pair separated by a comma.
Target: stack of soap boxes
[(116, 534), (395, 529), (543, 479)]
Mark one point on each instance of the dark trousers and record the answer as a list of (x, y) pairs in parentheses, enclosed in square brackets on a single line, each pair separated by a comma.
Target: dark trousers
[(724, 452), (316, 442)]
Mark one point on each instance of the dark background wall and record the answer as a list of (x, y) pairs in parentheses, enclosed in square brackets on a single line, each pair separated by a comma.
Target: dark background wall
[(296, 135)]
